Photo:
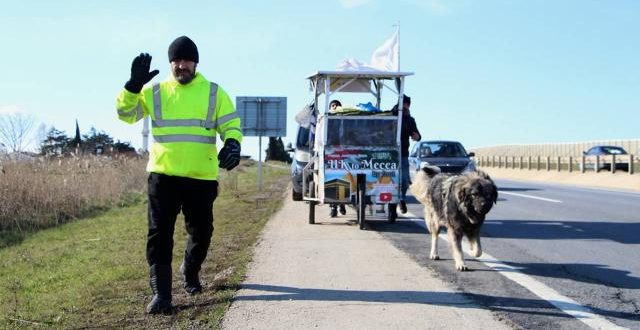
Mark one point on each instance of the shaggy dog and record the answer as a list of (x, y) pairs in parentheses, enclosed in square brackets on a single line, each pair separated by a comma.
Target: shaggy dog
[(457, 202)]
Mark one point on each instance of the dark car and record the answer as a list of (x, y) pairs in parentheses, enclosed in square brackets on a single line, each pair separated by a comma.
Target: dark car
[(605, 161), (449, 156)]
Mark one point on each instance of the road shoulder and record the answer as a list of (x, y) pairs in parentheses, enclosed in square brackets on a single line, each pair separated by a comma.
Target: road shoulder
[(603, 180), (334, 276)]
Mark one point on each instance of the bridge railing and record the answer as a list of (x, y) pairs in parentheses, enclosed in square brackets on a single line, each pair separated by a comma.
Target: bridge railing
[(582, 164), (574, 149), (560, 156)]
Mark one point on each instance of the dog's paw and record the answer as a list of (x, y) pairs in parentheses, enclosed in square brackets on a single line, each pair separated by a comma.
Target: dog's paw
[(434, 256), (476, 253), (461, 267)]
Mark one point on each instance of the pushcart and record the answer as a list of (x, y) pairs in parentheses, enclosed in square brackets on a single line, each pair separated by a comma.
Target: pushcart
[(355, 152)]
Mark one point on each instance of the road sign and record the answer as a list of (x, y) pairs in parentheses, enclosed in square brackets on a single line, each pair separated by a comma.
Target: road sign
[(262, 115)]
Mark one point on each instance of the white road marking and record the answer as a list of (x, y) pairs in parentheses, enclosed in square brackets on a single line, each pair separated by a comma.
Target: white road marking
[(529, 196), (565, 304)]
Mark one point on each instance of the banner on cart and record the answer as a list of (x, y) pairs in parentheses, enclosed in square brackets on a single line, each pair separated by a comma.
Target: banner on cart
[(381, 167), (361, 160)]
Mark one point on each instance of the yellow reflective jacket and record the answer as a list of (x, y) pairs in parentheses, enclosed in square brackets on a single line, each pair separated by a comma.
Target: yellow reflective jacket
[(184, 123)]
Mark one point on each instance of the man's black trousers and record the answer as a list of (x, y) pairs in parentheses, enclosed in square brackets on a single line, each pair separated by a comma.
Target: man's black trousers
[(168, 195)]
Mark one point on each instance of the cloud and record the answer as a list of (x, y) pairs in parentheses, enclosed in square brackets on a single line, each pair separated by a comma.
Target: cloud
[(353, 3), (10, 109)]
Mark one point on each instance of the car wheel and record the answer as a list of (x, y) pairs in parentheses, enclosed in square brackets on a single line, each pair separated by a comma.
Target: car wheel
[(296, 196)]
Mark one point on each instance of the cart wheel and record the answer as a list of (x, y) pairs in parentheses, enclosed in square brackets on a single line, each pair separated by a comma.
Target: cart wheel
[(361, 208), (312, 212), (355, 205), (362, 200), (392, 213)]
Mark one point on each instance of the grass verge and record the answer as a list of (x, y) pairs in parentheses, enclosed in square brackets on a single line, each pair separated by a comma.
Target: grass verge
[(92, 272)]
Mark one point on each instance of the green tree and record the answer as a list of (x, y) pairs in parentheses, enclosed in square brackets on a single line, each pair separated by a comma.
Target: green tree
[(123, 147), (275, 151), (56, 142), (96, 142)]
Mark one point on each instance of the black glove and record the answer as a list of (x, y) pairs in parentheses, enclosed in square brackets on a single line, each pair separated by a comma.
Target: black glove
[(140, 74), (229, 156)]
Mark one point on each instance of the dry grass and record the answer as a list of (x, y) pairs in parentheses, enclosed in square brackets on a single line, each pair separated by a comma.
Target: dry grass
[(92, 273), (43, 193)]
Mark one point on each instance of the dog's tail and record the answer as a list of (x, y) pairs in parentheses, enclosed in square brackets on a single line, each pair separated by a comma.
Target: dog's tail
[(431, 170), (420, 185)]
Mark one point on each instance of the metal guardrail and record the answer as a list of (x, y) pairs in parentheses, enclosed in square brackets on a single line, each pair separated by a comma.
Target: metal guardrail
[(583, 164), (574, 149)]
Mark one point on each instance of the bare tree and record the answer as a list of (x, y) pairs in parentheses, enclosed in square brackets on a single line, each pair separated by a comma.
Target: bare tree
[(14, 130), (41, 134)]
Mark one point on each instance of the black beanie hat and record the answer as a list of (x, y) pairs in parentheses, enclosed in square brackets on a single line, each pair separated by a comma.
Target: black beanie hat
[(183, 48)]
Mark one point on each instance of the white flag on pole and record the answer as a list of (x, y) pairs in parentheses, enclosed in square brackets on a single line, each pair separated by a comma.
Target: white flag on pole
[(387, 56)]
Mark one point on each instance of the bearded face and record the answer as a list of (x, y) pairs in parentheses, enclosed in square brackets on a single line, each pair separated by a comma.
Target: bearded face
[(183, 70)]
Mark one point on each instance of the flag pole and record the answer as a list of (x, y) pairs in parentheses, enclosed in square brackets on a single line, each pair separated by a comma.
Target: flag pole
[(397, 25)]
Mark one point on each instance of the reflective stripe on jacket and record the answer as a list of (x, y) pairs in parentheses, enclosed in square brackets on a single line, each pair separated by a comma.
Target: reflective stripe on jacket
[(184, 123)]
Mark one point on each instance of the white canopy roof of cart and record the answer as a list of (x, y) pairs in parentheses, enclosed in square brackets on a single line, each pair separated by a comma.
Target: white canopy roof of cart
[(351, 81)]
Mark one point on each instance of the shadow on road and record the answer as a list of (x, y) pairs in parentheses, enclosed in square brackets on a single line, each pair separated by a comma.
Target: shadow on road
[(379, 222), (598, 274), (587, 273), (401, 226), (621, 232), (494, 303)]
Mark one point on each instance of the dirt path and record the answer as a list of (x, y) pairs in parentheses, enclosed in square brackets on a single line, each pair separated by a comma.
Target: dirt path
[(335, 276)]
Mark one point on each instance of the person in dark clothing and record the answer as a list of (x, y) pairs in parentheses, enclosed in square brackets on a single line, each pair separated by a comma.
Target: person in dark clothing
[(333, 105), (409, 130), (187, 113)]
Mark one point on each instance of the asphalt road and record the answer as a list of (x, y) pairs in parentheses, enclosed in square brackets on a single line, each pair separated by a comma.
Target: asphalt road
[(555, 256)]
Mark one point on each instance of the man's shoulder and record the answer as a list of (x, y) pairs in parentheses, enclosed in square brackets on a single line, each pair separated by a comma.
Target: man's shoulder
[(203, 80), (200, 78)]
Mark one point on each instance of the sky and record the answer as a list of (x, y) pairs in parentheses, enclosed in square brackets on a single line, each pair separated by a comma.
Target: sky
[(486, 73)]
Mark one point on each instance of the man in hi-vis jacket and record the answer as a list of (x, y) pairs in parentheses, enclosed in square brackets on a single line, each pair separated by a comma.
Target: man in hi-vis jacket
[(187, 112)]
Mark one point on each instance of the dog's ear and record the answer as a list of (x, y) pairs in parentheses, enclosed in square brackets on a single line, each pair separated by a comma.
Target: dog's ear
[(495, 196), (484, 175), (494, 193), (462, 193), (494, 188)]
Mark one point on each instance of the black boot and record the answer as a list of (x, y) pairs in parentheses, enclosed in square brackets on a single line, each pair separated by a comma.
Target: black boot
[(160, 282), (190, 277), (334, 211), (403, 207)]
